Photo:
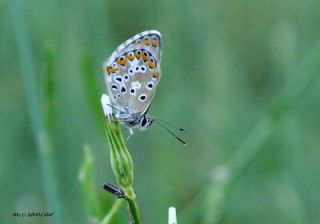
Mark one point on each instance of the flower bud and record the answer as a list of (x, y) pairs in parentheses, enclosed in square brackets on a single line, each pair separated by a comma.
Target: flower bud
[(121, 161)]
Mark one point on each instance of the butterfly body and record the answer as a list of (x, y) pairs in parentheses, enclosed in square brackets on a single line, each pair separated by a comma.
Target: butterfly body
[(132, 74)]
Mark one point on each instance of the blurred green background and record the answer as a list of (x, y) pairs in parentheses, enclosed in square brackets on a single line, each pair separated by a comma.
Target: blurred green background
[(241, 76)]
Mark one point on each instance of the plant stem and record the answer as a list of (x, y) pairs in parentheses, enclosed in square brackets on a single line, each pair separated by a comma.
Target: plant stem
[(210, 211), (107, 219), (133, 210), (39, 129), (120, 158), (276, 113)]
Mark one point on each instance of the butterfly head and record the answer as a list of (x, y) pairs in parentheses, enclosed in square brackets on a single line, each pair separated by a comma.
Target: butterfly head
[(140, 121)]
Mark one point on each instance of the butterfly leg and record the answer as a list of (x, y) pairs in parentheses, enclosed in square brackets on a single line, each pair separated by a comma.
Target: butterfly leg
[(130, 133)]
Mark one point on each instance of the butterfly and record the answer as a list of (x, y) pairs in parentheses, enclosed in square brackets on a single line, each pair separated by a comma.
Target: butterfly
[(132, 74)]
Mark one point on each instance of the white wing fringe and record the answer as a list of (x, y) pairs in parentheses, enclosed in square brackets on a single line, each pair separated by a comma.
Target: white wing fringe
[(105, 103)]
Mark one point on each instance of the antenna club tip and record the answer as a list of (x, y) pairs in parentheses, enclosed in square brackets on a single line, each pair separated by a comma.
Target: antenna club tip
[(180, 140)]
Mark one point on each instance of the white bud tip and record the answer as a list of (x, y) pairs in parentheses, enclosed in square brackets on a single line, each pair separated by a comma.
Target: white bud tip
[(105, 103), (172, 216)]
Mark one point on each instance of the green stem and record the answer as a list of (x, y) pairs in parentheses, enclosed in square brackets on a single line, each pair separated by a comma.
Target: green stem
[(276, 113), (116, 206), (121, 161), (39, 129), (210, 211), (133, 210)]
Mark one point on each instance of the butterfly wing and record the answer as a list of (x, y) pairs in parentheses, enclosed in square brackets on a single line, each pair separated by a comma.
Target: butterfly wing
[(132, 72)]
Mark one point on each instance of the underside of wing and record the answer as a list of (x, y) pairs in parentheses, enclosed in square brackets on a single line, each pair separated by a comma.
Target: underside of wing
[(133, 72), (149, 40)]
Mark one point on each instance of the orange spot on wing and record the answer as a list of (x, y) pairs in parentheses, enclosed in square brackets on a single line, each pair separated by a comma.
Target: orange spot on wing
[(138, 54), (130, 56), (146, 42), (145, 56), (122, 61), (109, 68), (151, 65), (154, 43), (155, 74)]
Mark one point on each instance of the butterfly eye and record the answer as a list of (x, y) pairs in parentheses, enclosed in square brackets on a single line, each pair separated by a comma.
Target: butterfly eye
[(144, 121)]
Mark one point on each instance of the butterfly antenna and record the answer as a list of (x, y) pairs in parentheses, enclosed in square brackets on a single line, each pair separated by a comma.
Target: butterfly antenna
[(171, 125), (171, 132)]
